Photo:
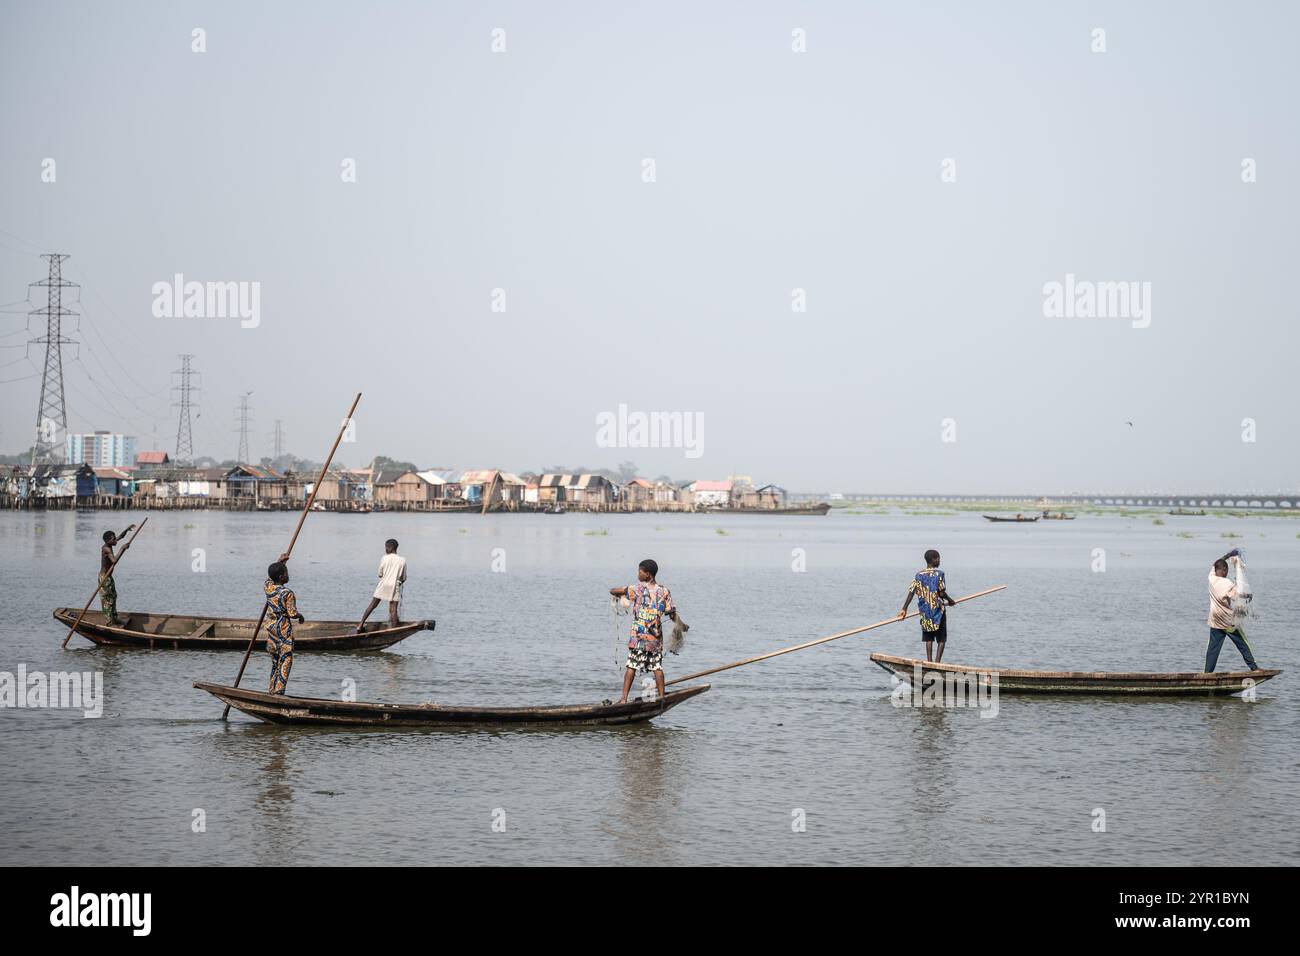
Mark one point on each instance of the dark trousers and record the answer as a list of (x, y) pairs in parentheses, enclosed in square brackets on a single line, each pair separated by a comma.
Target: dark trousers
[(1216, 642)]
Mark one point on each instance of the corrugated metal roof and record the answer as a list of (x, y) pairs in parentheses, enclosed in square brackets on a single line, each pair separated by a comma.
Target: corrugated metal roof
[(711, 486), (151, 458)]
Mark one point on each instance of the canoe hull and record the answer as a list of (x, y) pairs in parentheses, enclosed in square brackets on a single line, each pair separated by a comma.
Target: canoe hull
[(319, 712), (188, 632), (1189, 684)]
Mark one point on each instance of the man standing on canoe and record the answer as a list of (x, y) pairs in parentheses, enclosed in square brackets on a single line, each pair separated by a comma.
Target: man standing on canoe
[(931, 592), (108, 589), (281, 612), (392, 575), (651, 603), (1223, 621)]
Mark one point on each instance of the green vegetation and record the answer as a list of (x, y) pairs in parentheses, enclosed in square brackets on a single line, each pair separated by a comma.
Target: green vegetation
[(1158, 521), (597, 533), (720, 531)]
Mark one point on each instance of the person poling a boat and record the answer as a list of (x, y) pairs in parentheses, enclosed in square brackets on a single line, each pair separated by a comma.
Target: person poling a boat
[(931, 591), (107, 587), (651, 603), (281, 612), (392, 575), (1225, 598)]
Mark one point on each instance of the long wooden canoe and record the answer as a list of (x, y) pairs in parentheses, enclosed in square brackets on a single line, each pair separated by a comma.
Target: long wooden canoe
[(319, 712), (190, 632), (1190, 684), (1018, 519)]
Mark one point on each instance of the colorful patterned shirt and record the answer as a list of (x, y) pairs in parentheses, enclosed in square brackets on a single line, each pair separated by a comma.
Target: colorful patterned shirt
[(281, 610), (929, 588), (650, 604)]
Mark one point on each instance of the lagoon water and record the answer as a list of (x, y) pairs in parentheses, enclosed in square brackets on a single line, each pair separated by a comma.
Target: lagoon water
[(725, 778)]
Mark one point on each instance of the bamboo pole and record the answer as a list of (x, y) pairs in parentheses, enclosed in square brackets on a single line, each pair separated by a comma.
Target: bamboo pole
[(822, 640), (100, 585), (311, 499)]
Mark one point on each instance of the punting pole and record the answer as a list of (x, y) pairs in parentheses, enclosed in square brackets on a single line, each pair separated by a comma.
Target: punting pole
[(306, 509), (99, 587), (822, 640)]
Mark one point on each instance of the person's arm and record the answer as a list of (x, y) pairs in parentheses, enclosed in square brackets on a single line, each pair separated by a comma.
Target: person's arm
[(943, 592), (291, 607), (125, 531), (284, 557), (401, 575), (618, 592), (1234, 553), (670, 608), (906, 601)]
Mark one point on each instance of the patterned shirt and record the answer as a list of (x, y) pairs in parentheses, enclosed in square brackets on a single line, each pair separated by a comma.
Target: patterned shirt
[(281, 609), (650, 604), (929, 587)]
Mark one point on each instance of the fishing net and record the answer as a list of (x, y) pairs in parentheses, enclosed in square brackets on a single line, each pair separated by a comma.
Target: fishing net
[(1243, 600), (619, 609)]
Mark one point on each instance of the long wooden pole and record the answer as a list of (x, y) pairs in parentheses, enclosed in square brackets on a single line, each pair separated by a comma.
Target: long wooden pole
[(306, 509), (116, 558), (822, 640)]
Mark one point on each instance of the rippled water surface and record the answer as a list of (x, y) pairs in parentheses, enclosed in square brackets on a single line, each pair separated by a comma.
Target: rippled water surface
[(726, 777)]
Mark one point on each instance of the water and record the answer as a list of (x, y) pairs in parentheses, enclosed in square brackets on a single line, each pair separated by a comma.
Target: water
[(722, 779)]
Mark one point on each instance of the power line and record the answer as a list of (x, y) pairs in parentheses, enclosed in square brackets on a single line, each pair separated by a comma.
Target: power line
[(188, 383), (52, 413)]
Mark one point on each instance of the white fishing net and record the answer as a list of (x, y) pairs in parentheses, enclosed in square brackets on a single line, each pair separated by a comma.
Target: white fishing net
[(1243, 600)]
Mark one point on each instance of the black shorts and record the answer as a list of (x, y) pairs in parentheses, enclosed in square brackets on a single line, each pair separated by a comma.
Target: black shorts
[(939, 635)]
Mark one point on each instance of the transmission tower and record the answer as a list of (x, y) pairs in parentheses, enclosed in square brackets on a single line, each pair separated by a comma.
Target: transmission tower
[(279, 439), (186, 384), (52, 414), (245, 419)]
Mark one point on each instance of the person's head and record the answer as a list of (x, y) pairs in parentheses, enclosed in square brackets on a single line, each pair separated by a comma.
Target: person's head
[(278, 572), (1220, 568), (110, 537), (390, 546), (932, 558), (647, 570)]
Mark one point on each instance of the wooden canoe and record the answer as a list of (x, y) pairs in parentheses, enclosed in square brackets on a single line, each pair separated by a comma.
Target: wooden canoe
[(189, 632), (1019, 519), (319, 712), (1188, 684)]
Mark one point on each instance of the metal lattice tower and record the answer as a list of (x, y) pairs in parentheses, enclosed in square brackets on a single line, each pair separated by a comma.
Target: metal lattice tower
[(52, 414), (245, 419), (186, 384), (279, 439)]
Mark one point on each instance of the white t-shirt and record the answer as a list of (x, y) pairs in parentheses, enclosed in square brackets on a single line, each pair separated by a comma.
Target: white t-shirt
[(392, 570), (1221, 593)]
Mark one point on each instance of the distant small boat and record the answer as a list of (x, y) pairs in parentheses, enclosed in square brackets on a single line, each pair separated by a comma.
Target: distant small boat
[(555, 510), (1191, 514), (1017, 519), (817, 509), (1059, 516), (189, 632), (1187, 684), (321, 712)]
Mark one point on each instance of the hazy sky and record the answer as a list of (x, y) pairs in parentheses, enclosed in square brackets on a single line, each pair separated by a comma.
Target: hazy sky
[(774, 170)]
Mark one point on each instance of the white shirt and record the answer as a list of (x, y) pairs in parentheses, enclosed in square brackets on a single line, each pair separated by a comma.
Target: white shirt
[(392, 571), (1222, 590)]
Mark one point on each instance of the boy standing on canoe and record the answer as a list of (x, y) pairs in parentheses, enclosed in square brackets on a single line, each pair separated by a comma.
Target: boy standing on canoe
[(651, 603), (281, 612), (392, 575), (1222, 621), (107, 588), (931, 591)]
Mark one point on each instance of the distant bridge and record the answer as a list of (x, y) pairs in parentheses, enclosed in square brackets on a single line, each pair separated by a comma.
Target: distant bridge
[(1251, 500)]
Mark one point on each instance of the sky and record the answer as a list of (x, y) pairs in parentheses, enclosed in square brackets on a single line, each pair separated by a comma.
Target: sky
[(921, 171)]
